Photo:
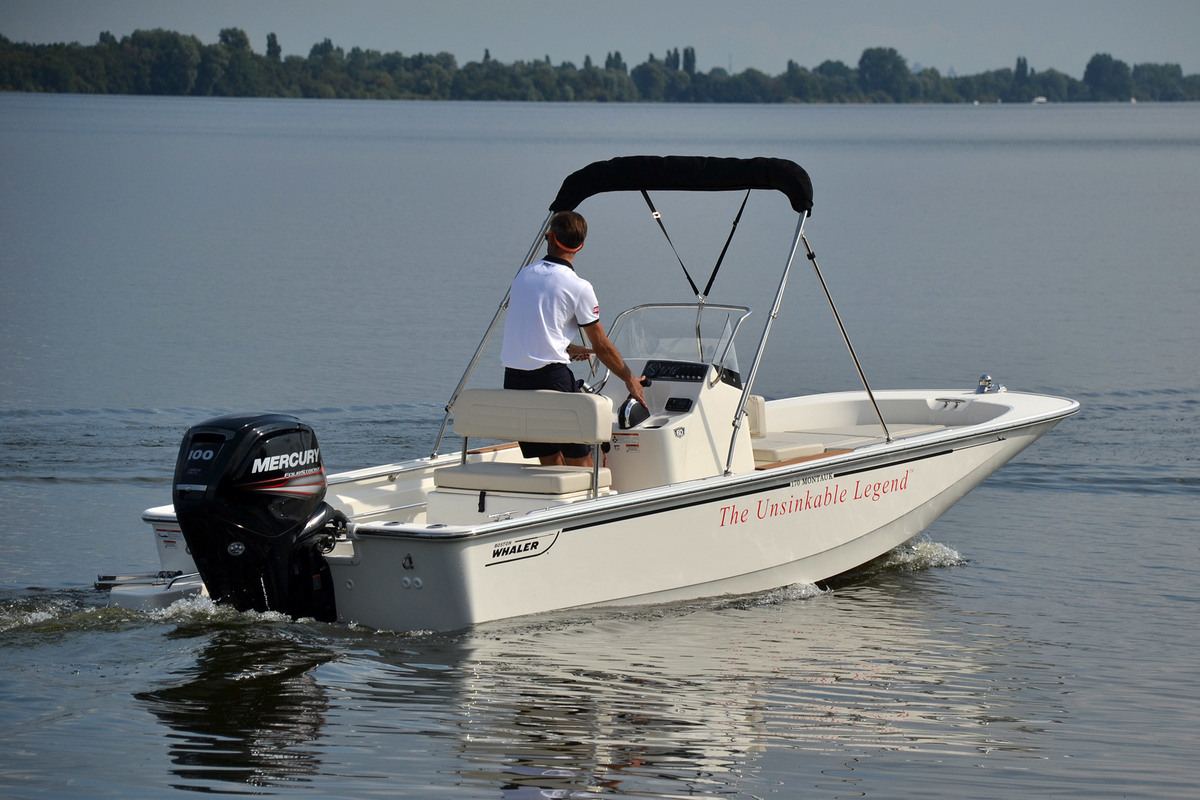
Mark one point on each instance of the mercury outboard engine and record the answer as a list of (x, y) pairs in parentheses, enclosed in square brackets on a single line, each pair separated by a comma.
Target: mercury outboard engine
[(250, 499)]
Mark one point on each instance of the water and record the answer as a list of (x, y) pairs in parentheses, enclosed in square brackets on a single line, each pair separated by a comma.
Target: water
[(165, 260)]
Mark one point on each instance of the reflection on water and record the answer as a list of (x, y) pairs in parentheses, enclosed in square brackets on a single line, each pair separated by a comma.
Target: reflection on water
[(248, 711), (686, 699), (678, 700)]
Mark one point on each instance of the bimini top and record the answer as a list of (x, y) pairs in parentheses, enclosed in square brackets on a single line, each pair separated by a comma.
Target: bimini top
[(686, 173)]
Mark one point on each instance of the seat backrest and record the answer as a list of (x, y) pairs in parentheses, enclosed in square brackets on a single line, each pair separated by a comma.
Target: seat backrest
[(756, 415), (533, 416)]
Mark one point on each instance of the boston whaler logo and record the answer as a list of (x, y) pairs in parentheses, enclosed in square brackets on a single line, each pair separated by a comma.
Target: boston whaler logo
[(521, 548)]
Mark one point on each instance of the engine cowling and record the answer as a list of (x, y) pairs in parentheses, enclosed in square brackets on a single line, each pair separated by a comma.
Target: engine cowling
[(249, 494)]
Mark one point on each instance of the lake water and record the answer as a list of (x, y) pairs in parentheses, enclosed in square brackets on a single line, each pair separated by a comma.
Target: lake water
[(166, 260)]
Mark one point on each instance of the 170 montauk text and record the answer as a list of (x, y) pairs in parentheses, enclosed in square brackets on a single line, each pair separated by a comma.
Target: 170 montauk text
[(812, 499)]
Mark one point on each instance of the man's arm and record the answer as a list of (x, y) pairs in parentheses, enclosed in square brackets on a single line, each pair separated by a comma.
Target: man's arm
[(608, 355)]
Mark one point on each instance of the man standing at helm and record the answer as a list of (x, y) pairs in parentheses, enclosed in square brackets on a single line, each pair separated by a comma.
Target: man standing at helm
[(547, 305)]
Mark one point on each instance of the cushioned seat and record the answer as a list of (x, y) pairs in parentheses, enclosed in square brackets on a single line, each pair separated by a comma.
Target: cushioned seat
[(786, 445), (776, 448), (531, 479), (532, 416)]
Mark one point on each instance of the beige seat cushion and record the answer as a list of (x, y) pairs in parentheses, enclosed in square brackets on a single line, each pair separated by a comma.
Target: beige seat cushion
[(531, 479), (780, 447), (533, 416), (785, 445)]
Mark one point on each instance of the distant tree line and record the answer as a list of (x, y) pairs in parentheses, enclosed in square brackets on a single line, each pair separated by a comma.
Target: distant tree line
[(161, 62)]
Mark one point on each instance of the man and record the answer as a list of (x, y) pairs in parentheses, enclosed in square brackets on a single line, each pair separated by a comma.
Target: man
[(547, 305)]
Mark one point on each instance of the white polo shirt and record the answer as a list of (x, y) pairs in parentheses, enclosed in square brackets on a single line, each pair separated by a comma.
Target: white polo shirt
[(547, 305)]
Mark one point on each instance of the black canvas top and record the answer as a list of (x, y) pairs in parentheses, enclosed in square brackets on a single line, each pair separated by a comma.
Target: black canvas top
[(686, 173)]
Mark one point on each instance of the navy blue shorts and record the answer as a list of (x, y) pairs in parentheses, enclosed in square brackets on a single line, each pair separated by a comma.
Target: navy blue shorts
[(552, 376)]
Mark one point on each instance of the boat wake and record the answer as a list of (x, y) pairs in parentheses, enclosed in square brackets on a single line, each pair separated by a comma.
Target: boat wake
[(916, 555), (784, 594), (39, 614)]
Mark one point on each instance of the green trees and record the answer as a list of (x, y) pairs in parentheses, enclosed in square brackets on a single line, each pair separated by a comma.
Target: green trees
[(613, 61), (1163, 82), (837, 83), (883, 75), (800, 84), (164, 62), (231, 69), (689, 60), (1107, 78), (664, 81)]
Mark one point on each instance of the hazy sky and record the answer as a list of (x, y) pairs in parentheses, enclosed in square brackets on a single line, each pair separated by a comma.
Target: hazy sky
[(967, 36)]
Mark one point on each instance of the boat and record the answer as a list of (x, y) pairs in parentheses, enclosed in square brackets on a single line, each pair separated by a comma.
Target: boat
[(176, 578), (709, 489)]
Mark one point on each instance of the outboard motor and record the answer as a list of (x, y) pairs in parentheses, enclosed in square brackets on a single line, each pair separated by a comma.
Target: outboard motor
[(249, 495)]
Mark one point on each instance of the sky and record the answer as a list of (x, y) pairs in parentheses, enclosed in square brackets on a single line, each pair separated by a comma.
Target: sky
[(962, 37)]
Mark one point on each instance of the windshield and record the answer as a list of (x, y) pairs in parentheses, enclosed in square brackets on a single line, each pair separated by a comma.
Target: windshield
[(673, 332)]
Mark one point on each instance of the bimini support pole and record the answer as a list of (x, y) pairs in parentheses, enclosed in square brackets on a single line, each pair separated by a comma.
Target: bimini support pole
[(462, 382), (762, 342), (870, 395)]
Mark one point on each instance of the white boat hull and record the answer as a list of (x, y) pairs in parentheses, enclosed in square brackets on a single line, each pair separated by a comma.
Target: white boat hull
[(730, 535), (792, 522)]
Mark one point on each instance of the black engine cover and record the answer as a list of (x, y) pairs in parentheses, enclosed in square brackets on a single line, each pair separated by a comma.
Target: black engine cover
[(249, 494)]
